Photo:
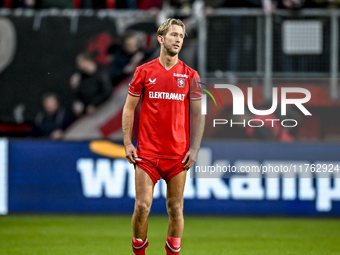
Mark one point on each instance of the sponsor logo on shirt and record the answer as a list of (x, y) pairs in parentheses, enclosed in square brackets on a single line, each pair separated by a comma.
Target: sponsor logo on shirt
[(152, 81), (166, 95), (181, 75), (181, 82)]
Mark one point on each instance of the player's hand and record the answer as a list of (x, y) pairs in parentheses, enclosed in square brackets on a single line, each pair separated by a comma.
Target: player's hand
[(191, 156), (130, 153)]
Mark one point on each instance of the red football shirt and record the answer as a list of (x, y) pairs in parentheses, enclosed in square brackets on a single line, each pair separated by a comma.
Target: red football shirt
[(164, 121)]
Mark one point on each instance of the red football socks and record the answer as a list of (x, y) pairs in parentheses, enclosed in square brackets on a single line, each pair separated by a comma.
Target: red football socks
[(173, 245), (139, 246)]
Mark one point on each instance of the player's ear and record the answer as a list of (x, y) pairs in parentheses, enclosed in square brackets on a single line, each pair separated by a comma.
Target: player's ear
[(160, 39)]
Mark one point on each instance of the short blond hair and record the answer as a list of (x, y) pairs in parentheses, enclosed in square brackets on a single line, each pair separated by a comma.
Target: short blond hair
[(164, 28)]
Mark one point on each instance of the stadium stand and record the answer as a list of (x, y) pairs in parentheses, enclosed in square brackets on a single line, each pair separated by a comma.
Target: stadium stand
[(234, 43)]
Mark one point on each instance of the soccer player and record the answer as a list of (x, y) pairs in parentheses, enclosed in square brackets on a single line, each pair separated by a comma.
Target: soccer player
[(166, 85)]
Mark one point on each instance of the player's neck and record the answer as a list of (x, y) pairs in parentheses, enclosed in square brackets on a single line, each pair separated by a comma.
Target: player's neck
[(168, 61)]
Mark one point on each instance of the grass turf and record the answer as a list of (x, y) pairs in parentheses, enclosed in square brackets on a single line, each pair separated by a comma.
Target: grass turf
[(106, 235)]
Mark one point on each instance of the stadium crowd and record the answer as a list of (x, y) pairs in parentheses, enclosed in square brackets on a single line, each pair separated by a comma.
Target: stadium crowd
[(268, 5), (94, 82)]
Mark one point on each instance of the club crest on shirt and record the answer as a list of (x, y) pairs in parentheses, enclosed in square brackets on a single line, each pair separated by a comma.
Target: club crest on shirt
[(152, 81), (181, 82)]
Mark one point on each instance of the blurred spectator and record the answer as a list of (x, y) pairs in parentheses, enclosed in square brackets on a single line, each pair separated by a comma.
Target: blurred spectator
[(125, 58), (52, 120), (91, 85)]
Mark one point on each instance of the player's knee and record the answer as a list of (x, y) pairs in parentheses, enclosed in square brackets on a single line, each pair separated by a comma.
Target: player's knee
[(142, 208), (175, 208)]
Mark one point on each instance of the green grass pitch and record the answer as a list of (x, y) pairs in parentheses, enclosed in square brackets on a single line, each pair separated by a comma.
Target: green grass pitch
[(111, 235)]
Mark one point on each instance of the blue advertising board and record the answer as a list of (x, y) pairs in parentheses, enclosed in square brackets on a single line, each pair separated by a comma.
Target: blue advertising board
[(93, 177)]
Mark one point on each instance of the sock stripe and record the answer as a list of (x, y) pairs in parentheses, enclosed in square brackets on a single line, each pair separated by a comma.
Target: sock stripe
[(172, 249), (138, 248)]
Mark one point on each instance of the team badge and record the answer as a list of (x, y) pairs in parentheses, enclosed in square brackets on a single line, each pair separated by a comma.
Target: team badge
[(181, 82), (152, 81)]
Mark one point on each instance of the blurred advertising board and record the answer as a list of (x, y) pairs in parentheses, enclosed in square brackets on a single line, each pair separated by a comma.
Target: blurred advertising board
[(94, 177)]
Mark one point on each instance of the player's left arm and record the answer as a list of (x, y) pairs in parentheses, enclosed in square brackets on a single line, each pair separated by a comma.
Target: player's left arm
[(198, 129)]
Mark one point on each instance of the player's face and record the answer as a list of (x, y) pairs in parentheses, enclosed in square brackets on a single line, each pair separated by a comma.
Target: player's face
[(173, 40)]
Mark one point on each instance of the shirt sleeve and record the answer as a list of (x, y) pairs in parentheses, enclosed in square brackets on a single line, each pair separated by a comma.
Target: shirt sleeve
[(136, 85), (195, 87)]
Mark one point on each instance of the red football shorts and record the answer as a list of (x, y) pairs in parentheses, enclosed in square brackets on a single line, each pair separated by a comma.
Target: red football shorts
[(158, 168)]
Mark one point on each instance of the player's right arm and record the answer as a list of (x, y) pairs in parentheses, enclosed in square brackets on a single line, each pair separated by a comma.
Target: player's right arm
[(127, 124)]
